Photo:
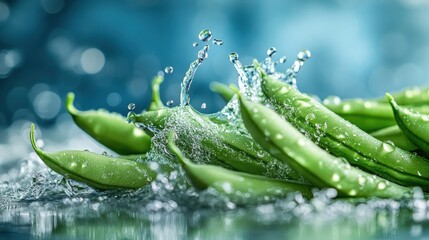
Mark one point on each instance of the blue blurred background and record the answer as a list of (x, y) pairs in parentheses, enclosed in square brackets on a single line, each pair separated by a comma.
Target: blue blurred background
[(108, 51)]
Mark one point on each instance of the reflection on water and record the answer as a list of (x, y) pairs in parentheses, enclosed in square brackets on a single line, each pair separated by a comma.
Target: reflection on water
[(38, 203), (80, 218)]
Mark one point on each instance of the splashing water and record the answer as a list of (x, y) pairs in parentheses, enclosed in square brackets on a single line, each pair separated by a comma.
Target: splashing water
[(205, 35)]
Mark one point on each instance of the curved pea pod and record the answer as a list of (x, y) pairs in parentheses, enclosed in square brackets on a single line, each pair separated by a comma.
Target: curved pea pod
[(224, 146), (110, 129), (343, 139), (156, 102), (411, 96), (287, 144), (414, 124), (395, 135), (236, 185), (223, 90), (367, 115), (98, 171)]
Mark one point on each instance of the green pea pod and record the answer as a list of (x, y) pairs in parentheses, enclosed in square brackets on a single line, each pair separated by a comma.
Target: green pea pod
[(289, 145), (414, 96), (236, 185), (223, 90), (225, 146), (395, 135), (110, 129), (156, 102), (414, 124), (343, 139), (368, 115), (98, 171)]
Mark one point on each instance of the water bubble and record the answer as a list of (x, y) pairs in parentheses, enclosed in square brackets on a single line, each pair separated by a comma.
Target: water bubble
[(203, 106), (104, 153), (195, 44), (217, 42), (233, 57), (205, 35), (169, 69), (131, 106), (283, 59), (170, 103), (271, 51)]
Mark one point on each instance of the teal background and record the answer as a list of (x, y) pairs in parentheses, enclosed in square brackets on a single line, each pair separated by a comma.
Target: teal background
[(360, 49)]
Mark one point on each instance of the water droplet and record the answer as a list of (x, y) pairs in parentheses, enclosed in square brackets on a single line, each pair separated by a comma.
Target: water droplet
[(347, 107), (205, 35), (387, 147), (282, 59), (131, 106), (217, 42), (233, 57), (361, 181), (203, 106), (104, 153), (353, 192), (310, 117), (203, 53), (381, 185), (170, 103), (195, 44), (335, 177), (271, 51), (302, 142), (304, 55), (169, 69), (332, 100)]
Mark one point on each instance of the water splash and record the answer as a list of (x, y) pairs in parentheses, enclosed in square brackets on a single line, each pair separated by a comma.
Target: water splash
[(296, 66), (205, 35)]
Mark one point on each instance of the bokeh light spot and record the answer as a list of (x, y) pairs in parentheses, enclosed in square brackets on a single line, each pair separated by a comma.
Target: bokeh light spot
[(47, 104), (92, 60), (52, 6), (4, 12), (114, 99)]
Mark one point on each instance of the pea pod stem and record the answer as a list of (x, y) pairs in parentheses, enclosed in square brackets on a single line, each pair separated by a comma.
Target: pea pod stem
[(98, 171), (343, 139), (156, 102), (223, 90), (110, 129), (237, 186), (289, 145)]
